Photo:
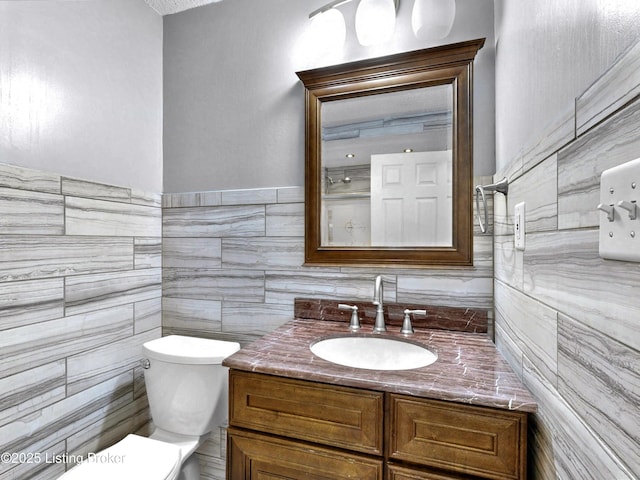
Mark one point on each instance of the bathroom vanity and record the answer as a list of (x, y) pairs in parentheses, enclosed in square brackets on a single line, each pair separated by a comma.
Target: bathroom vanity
[(293, 415)]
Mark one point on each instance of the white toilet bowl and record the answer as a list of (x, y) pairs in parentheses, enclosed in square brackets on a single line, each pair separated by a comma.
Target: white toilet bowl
[(187, 391)]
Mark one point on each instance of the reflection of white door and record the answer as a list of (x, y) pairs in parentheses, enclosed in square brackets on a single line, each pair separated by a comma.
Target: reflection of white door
[(411, 199)]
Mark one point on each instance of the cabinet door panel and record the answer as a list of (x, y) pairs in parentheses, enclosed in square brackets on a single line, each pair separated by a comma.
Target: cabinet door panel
[(259, 457), (336, 416), (485, 442)]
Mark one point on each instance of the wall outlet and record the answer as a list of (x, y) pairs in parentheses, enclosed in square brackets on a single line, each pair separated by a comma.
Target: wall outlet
[(519, 225)]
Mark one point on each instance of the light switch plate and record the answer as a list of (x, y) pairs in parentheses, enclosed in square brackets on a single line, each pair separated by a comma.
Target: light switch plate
[(619, 222), (519, 225)]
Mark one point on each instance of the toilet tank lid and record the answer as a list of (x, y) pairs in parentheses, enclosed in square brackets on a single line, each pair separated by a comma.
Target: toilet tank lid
[(191, 350)]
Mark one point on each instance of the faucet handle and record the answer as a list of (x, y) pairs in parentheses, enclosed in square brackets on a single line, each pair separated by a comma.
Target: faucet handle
[(407, 328), (354, 324)]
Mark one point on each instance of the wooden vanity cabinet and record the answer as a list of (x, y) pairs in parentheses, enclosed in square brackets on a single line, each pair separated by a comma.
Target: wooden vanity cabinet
[(294, 429)]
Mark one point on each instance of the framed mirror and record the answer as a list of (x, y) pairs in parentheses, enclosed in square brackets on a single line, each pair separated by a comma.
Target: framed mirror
[(389, 160)]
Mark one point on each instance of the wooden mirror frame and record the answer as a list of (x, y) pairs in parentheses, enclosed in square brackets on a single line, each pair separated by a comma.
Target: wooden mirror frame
[(448, 64)]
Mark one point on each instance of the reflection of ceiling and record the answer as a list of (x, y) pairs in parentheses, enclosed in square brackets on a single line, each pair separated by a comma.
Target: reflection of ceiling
[(419, 119), (167, 7), (395, 104)]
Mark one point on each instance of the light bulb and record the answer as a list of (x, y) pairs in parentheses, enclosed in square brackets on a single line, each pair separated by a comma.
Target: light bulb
[(375, 21), (433, 19), (329, 30)]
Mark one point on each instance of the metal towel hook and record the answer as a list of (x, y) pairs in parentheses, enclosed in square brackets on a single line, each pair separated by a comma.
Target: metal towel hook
[(502, 187)]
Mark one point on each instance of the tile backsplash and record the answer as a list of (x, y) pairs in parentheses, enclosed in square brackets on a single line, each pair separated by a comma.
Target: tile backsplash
[(80, 291), (232, 270)]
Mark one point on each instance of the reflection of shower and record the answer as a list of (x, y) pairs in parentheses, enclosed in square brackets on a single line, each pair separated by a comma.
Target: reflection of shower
[(343, 180)]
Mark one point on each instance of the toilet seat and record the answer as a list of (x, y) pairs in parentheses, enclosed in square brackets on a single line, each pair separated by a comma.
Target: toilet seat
[(132, 458)]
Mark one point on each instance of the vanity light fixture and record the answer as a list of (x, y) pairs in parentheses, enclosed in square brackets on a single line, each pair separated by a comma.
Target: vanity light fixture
[(376, 19), (433, 19), (374, 24)]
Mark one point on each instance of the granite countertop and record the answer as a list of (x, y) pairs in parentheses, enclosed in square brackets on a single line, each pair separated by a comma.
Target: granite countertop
[(469, 368)]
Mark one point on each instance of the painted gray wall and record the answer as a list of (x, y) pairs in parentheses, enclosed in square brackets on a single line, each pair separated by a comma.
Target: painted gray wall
[(548, 52), (81, 90), (234, 108)]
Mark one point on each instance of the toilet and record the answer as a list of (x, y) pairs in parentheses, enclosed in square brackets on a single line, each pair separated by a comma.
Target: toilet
[(187, 391)]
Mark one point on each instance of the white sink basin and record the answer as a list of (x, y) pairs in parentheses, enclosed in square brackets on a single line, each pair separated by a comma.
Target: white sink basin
[(373, 353)]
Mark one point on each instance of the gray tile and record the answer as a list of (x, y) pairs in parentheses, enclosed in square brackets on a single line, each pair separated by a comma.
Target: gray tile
[(41, 256), (285, 220), (200, 253), (97, 191), (538, 189), (475, 292), (572, 447), (599, 378), (147, 252), (192, 314), (580, 165), (23, 212), (531, 325), (283, 287), (564, 271), (263, 253), (140, 197), (21, 178), (84, 293), (111, 428), (291, 195), (98, 217), (41, 470), (29, 391), (147, 315), (196, 199), (254, 319), (22, 303), (229, 221), (213, 284), (33, 345), (59, 420), (507, 345), (97, 365), (508, 262), (250, 197)]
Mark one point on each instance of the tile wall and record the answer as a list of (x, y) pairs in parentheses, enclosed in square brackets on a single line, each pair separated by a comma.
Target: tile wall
[(568, 320), (80, 291), (232, 267)]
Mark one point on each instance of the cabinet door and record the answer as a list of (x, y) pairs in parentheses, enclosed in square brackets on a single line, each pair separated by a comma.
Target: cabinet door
[(337, 416), (254, 456), (486, 442)]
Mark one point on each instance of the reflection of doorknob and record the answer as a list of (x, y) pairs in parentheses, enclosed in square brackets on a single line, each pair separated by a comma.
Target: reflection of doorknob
[(348, 226)]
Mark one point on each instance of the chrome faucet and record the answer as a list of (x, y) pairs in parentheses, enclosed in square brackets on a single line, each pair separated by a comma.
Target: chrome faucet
[(378, 294)]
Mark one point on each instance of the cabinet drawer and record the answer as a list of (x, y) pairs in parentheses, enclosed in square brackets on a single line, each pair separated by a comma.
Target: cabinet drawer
[(260, 457), (338, 416), (396, 472), (461, 438)]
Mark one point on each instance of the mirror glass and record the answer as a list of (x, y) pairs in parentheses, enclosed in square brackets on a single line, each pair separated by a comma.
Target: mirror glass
[(389, 160), (387, 169)]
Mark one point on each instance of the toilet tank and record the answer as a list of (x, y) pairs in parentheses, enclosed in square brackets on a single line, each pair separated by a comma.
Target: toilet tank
[(187, 386)]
